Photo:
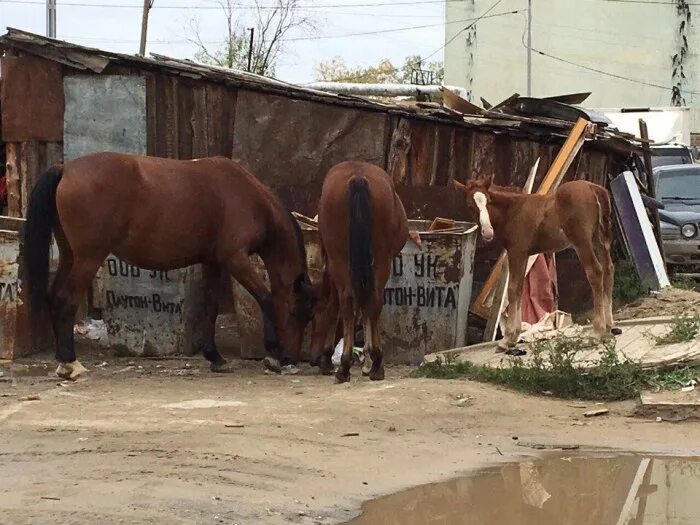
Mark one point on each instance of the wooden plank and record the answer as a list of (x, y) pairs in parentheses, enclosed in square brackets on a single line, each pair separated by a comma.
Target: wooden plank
[(566, 156), (452, 100), (29, 171), (397, 165), (199, 123), (151, 116), (497, 305), (188, 116), (421, 153), (14, 192), (444, 146)]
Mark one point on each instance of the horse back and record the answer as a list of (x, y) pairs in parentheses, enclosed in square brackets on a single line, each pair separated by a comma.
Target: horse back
[(158, 212), (389, 221)]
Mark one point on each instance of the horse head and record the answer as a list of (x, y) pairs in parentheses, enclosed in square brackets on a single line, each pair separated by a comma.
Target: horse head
[(476, 192)]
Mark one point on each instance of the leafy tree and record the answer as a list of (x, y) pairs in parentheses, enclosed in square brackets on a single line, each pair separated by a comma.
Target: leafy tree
[(412, 70)]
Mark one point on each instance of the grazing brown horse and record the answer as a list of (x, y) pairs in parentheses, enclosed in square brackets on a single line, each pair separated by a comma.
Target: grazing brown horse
[(163, 214), (363, 226), (575, 214)]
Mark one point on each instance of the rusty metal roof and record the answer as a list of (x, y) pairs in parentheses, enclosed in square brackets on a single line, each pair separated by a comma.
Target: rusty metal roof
[(509, 118)]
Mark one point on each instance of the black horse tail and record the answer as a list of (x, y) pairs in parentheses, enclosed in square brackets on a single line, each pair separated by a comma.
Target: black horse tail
[(41, 219), (360, 240)]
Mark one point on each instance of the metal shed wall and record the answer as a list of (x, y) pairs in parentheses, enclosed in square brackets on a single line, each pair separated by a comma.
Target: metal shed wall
[(290, 143)]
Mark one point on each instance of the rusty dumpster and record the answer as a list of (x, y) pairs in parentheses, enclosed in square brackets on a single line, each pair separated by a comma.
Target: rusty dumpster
[(151, 313), (426, 300), (16, 338)]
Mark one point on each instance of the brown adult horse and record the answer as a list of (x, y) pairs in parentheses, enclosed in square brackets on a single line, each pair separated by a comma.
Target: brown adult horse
[(363, 226), (575, 214), (163, 214)]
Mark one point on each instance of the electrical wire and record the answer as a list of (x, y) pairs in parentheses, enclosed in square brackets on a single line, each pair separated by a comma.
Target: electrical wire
[(609, 74), (483, 15)]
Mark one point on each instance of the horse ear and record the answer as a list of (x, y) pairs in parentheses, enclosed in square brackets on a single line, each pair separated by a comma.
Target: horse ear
[(458, 185)]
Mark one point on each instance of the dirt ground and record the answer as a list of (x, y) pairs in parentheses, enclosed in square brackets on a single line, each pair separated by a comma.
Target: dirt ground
[(670, 301), (166, 441)]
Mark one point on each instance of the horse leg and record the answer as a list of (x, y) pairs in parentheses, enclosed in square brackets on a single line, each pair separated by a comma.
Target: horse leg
[(373, 345), (605, 259), (517, 262), (348, 316), (376, 372), (212, 279), (325, 327), (242, 270), (367, 347), (72, 280), (594, 273), (325, 363)]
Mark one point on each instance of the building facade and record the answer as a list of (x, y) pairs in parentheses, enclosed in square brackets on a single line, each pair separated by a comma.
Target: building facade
[(627, 53)]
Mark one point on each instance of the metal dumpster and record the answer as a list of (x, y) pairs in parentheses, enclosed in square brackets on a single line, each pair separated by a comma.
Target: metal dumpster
[(16, 339), (426, 300), (151, 313)]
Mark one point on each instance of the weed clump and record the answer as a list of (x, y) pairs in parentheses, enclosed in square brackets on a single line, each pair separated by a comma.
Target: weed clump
[(684, 328), (560, 368)]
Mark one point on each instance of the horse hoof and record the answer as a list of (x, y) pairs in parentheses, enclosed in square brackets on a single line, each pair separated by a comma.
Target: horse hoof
[(222, 368), (515, 351), (376, 375), (342, 377), (324, 364), (70, 371), (272, 365), (616, 331)]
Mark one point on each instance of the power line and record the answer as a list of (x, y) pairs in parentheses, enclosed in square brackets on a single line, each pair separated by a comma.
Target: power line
[(652, 2), (395, 30), (325, 37), (483, 15), (607, 73), (237, 6)]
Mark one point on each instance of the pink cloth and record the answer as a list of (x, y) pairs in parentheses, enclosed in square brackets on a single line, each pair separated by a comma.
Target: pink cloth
[(540, 294)]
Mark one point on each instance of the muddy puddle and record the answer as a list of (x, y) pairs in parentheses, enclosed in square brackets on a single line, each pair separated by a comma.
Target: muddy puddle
[(629, 490)]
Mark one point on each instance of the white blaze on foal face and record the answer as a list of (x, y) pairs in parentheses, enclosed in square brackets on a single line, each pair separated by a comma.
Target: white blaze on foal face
[(484, 219)]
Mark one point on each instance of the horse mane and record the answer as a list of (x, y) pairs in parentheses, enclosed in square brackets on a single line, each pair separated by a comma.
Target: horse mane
[(280, 208), (506, 189), (300, 240)]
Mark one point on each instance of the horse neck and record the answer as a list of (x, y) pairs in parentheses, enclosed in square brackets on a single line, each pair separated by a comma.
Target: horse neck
[(500, 205), (282, 255)]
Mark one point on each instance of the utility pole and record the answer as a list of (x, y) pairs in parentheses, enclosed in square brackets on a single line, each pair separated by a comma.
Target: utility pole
[(250, 48), (51, 18), (147, 4), (529, 48)]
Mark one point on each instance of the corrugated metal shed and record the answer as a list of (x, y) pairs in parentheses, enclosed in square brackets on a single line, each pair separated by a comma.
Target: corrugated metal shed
[(290, 135)]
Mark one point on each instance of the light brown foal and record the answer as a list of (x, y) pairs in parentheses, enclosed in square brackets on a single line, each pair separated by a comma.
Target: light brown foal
[(575, 214)]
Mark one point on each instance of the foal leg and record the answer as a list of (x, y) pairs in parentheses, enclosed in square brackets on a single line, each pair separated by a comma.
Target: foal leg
[(517, 263), (243, 271), (594, 273), (212, 276), (70, 284), (348, 316), (605, 259)]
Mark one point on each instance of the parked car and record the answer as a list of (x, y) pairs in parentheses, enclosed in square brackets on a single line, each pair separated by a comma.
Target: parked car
[(670, 154), (678, 188)]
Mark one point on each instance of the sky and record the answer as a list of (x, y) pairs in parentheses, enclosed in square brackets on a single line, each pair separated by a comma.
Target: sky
[(119, 28)]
